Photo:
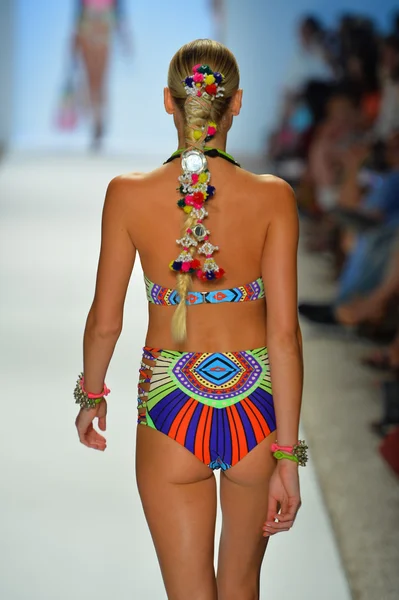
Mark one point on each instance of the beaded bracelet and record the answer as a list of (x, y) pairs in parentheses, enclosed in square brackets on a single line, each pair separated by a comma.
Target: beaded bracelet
[(297, 452), (86, 399)]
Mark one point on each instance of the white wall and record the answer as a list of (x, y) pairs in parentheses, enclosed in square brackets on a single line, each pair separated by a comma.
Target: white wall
[(6, 75)]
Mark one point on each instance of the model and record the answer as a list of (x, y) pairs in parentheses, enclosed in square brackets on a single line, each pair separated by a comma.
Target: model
[(219, 18), (205, 397), (95, 22)]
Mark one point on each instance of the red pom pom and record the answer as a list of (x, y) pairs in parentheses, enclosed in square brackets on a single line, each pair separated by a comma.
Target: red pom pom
[(220, 273), (198, 197), (195, 264), (201, 275), (211, 89)]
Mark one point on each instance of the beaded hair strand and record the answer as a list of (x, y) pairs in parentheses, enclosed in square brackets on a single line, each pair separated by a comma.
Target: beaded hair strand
[(197, 112), (197, 91)]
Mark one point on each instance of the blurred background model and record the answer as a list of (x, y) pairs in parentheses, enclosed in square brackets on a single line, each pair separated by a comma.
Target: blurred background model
[(219, 15), (96, 21)]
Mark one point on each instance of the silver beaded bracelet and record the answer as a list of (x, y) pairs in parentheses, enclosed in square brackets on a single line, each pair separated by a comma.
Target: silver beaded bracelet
[(86, 399)]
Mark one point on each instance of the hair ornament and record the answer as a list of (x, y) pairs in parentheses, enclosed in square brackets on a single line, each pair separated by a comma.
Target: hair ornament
[(204, 82), (196, 190), (202, 87), (205, 133)]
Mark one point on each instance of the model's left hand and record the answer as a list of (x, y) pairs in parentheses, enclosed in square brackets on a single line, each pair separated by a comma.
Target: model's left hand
[(284, 490), (84, 424)]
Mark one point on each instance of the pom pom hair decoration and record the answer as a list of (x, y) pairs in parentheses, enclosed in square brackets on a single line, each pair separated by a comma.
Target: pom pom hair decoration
[(195, 188), (204, 81)]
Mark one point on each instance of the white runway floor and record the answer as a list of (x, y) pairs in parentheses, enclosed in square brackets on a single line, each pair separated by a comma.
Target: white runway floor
[(71, 524)]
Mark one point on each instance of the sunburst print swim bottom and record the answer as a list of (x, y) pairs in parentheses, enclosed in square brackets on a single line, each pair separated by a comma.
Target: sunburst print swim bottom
[(218, 405)]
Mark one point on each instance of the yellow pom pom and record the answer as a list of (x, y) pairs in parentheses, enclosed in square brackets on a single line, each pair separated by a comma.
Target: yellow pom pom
[(212, 124), (203, 178), (198, 84), (171, 265), (197, 134), (187, 209), (209, 79)]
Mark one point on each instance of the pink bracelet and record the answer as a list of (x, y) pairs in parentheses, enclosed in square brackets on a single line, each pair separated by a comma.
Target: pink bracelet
[(105, 391), (295, 452), (275, 446)]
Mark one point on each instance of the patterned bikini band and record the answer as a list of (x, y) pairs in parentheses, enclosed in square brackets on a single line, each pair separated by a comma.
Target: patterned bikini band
[(218, 405), (157, 294)]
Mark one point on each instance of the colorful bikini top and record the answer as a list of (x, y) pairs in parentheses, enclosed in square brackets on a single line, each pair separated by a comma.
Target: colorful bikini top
[(156, 294)]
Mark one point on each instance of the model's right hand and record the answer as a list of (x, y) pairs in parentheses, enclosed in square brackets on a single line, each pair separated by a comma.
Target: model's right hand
[(283, 490), (84, 424)]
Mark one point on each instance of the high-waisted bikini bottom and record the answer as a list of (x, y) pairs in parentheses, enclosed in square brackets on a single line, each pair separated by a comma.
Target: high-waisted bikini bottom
[(218, 405)]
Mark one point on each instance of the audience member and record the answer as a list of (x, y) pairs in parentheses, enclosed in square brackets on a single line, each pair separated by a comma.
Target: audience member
[(340, 127)]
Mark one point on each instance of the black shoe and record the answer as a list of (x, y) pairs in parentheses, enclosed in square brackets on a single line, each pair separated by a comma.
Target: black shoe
[(318, 313), (98, 134), (390, 416)]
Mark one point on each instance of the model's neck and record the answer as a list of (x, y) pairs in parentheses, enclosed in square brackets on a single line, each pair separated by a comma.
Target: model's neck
[(219, 141)]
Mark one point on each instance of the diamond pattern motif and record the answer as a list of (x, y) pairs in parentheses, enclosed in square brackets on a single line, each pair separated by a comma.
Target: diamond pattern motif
[(218, 369)]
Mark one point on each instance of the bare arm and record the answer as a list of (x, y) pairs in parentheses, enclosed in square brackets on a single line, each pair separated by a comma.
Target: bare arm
[(117, 256), (279, 272), (351, 193)]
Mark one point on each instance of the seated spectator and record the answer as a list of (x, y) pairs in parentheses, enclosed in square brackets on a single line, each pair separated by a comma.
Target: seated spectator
[(366, 264), (388, 118), (340, 126), (374, 307), (360, 67), (385, 358), (308, 64), (310, 60)]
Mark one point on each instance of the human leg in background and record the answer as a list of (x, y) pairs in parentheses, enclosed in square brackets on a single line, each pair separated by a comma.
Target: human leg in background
[(363, 272), (373, 307), (94, 47)]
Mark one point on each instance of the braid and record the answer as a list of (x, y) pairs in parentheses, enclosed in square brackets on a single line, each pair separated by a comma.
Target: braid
[(197, 114), (202, 105)]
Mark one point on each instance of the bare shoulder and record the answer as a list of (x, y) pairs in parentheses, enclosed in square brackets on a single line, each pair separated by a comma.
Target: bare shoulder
[(124, 182), (273, 191), (119, 195), (282, 204), (278, 188), (124, 189), (129, 181)]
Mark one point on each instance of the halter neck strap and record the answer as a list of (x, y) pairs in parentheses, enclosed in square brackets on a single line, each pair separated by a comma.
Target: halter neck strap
[(212, 152)]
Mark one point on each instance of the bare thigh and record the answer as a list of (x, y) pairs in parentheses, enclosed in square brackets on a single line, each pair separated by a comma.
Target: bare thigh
[(244, 497), (178, 494), (95, 58)]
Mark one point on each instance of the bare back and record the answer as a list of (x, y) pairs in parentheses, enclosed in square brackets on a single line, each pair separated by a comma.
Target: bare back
[(239, 216)]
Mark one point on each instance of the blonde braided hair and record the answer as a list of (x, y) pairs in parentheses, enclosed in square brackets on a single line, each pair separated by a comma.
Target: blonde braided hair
[(198, 112)]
